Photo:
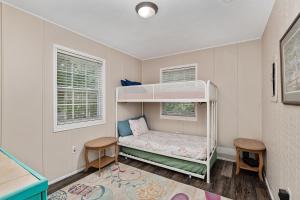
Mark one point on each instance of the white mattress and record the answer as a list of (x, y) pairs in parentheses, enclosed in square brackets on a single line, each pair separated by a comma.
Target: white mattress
[(190, 146)]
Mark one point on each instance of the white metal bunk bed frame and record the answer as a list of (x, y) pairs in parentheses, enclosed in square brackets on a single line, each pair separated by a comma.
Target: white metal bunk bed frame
[(211, 97)]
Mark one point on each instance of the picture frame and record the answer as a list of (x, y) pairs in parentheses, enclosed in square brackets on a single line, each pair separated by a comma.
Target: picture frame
[(290, 64)]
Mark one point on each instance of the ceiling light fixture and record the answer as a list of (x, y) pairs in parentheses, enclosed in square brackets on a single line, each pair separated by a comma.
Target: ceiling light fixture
[(146, 9)]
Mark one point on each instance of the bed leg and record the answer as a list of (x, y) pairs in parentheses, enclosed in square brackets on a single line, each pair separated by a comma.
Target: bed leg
[(190, 176), (125, 157), (208, 179)]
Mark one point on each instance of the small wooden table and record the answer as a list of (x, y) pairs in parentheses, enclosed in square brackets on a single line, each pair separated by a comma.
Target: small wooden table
[(100, 144), (252, 146)]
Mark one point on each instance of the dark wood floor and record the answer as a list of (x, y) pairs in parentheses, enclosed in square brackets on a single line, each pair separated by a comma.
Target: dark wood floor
[(246, 186)]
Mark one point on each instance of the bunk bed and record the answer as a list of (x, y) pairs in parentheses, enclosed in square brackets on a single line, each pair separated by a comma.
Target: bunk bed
[(199, 151)]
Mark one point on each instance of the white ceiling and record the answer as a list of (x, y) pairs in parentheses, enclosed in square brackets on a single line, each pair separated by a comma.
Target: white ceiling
[(179, 26)]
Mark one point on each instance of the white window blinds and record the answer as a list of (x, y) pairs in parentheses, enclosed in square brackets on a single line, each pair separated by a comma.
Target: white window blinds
[(177, 74), (79, 90)]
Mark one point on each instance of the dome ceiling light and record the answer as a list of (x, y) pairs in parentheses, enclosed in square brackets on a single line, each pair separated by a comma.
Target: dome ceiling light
[(146, 9)]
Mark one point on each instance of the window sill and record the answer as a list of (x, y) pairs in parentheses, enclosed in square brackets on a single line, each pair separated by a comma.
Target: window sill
[(60, 128)]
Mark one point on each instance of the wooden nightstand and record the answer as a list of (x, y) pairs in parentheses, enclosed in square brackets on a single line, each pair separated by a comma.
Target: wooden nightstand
[(100, 144), (252, 146)]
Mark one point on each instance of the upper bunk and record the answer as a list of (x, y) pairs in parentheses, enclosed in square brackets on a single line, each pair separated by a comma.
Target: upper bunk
[(186, 91)]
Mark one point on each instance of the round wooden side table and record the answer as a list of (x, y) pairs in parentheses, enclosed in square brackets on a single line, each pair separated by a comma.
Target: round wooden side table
[(252, 146), (100, 144)]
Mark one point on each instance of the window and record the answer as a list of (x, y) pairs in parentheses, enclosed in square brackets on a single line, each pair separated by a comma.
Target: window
[(79, 89), (179, 111)]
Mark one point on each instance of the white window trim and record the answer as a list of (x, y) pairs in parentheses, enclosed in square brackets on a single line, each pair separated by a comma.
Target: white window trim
[(58, 128), (181, 118)]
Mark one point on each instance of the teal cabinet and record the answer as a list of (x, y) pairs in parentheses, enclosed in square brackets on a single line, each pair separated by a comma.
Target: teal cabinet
[(18, 181)]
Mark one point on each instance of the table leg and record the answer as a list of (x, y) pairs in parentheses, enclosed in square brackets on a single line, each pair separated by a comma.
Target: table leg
[(260, 167), (86, 157), (237, 161), (99, 152), (116, 153)]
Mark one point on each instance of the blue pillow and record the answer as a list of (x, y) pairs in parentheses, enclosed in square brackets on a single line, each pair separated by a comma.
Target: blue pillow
[(129, 83), (123, 83), (124, 128)]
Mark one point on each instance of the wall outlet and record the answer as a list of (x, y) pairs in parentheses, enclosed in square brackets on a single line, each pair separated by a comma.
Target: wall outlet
[(74, 149)]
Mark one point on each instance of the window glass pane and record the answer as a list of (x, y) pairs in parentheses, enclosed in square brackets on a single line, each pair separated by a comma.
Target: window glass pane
[(91, 69), (64, 79), (179, 109), (92, 97), (64, 113), (79, 97), (63, 63), (91, 82), (78, 67), (78, 81), (92, 110), (79, 112)]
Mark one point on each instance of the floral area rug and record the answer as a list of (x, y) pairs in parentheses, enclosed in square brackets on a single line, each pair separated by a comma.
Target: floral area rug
[(123, 182)]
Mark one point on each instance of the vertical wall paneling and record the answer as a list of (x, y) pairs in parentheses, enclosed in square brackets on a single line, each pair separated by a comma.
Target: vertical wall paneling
[(22, 86), (280, 123), (27, 93), (236, 69)]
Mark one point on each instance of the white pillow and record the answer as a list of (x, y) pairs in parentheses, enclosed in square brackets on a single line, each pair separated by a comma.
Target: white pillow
[(143, 124), (138, 126)]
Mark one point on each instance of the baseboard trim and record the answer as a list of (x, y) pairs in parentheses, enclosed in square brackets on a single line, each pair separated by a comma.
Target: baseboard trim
[(226, 159), (226, 150), (226, 153), (268, 186), (66, 176)]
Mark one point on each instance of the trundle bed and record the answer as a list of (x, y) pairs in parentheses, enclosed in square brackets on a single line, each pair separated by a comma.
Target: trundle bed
[(189, 154)]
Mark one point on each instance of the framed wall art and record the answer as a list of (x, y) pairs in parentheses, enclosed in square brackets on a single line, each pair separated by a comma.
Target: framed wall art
[(290, 64)]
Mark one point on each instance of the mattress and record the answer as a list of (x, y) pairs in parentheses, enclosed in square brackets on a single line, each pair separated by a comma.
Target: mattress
[(190, 146)]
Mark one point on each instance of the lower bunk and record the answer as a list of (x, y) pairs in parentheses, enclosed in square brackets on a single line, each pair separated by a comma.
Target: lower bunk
[(187, 167)]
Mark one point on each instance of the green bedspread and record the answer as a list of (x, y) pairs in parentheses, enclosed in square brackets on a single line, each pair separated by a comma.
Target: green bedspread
[(193, 167)]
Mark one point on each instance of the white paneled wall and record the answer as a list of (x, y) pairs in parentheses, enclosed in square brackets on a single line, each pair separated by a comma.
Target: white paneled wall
[(281, 123), (22, 89), (27, 93), (236, 69)]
